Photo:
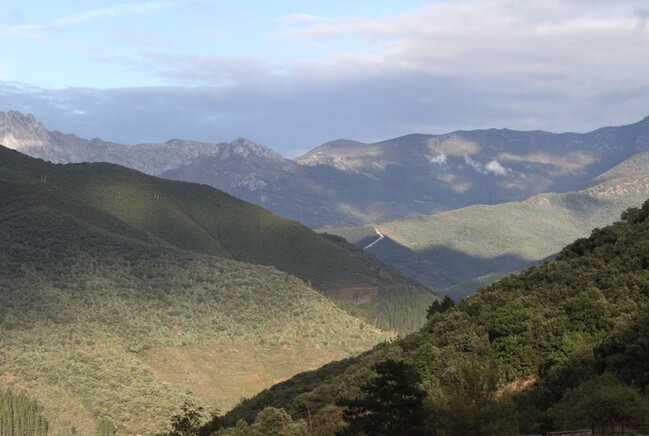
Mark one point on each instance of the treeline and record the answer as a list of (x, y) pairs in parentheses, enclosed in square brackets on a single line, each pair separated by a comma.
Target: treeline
[(20, 416)]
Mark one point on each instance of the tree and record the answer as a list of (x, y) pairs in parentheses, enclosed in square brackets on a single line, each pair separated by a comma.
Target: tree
[(105, 427), (440, 307), (603, 400), (20, 415), (276, 422), (392, 403), (189, 422)]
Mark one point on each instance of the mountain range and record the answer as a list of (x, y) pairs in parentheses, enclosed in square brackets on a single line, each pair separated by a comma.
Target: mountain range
[(456, 252), (454, 211), (347, 183), (123, 294)]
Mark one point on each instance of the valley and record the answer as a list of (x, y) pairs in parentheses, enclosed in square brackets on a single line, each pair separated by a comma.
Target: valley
[(156, 291), (347, 218), (456, 252)]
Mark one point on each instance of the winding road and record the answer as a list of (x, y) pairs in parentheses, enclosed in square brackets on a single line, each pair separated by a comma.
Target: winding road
[(380, 236)]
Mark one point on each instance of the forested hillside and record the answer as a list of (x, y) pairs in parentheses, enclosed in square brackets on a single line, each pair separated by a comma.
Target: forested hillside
[(205, 220), (560, 346), (458, 251), (104, 322)]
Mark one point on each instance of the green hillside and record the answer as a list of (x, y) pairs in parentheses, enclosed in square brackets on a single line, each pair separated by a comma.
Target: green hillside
[(102, 322), (205, 220), (456, 252), (561, 346)]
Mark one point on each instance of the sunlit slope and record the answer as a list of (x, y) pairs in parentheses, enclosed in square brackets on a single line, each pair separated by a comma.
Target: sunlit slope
[(456, 251), (92, 309), (205, 220)]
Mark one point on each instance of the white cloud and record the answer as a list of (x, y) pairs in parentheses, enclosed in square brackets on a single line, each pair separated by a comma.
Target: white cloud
[(474, 164), (440, 159), (492, 167), (37, 30), (496, 168), (544, 42)]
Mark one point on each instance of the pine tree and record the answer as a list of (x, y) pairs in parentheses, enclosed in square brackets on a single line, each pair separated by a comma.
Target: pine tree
[(392, 403)]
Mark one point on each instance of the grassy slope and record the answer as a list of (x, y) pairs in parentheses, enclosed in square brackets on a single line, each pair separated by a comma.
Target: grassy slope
[(457, 251), (551, 329), (92, 309), (203, 219)]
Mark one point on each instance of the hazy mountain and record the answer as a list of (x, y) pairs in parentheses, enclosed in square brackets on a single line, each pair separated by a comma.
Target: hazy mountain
[(457, 251), (25, 134), (348, 183), (560, 346), (345, 182), (425, 174)]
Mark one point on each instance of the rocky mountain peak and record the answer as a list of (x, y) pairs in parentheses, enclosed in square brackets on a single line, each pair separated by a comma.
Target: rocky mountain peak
[(244, 148), (20, 131)]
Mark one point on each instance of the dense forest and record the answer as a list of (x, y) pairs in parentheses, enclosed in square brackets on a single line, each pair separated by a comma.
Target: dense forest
[(204, 220), (560, 346), (104, 323)]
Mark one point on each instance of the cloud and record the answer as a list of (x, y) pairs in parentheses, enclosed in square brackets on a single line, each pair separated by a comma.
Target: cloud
[(474, 164), (536, 64), (496, 168), (536, 42), (492, 167), (38, 30), (440, 159), (557, 65)]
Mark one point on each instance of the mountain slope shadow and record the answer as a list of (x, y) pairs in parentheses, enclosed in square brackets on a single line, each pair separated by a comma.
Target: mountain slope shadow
[(444, 269)]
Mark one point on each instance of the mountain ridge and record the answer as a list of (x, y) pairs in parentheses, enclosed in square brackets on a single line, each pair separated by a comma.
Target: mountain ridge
[(451, 251), (27, 135), (345, 183)]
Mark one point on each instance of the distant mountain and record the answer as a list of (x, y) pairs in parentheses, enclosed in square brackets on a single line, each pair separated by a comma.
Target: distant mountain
[(25, 134), (426, 174), (458, 251), (347, 183), (311, 195), (101, 318), (559, 347)]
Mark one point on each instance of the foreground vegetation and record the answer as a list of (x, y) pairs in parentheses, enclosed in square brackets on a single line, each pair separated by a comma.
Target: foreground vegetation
[(560, 346)]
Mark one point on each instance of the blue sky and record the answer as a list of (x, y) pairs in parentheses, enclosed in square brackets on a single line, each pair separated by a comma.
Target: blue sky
[(294, 74)]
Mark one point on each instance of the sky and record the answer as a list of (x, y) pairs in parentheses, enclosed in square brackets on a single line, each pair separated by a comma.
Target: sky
[(295, 74)]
